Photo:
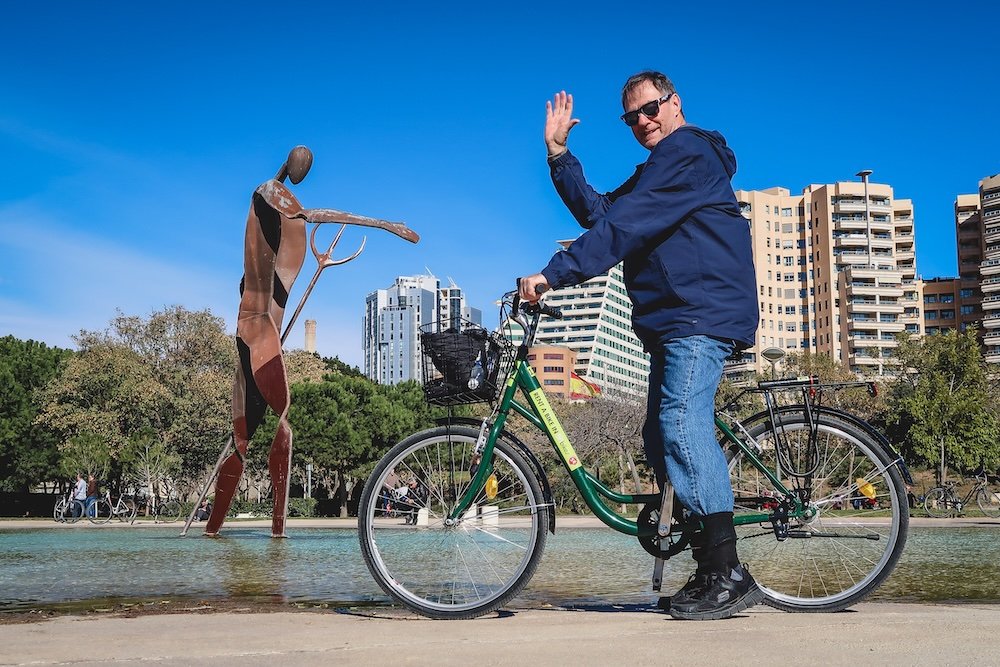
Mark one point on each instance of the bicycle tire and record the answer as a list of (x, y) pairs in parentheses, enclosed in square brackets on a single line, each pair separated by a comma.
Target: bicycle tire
[(168, 512), (100, 512), (468, 569), (840, 554), (126, 511), (988, 502), (63, 512), (59, 510), (937, 504)]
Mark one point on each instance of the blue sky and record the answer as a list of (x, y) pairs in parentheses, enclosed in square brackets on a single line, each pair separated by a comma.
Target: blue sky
[(133, 134)]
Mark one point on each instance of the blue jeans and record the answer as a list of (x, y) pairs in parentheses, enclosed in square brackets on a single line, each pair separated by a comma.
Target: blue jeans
[(679, 434)]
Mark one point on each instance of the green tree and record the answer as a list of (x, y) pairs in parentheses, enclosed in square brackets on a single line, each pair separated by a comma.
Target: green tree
[(941, 408), (86, 453), (149, 463), (170, 374), (28, 453)]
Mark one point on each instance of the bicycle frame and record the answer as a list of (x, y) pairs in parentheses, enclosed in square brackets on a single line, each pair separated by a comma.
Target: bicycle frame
[(539, 413)]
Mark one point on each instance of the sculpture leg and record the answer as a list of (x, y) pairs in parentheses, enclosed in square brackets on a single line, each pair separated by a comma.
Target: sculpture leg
[(278, 463), (225, 488), (249, 407)]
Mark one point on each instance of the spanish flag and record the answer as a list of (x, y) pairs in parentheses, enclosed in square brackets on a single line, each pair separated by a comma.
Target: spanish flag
[(581, 389)]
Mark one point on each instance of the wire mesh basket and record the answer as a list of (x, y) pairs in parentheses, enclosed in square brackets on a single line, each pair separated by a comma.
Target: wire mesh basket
[(463, 363)]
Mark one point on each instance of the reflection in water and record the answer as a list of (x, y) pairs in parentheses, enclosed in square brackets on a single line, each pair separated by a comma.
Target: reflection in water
[(581, 567), (247, 570)]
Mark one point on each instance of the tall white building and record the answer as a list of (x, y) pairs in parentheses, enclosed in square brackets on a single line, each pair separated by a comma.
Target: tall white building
[(392, 321), (597, 325)]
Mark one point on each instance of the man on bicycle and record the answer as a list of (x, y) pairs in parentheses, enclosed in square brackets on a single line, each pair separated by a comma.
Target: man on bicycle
[(689, 272)]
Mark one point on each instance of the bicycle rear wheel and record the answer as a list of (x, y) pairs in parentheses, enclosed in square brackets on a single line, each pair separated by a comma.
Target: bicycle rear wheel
[(466, 569), (988, 502), (857, 514), (937, 504)]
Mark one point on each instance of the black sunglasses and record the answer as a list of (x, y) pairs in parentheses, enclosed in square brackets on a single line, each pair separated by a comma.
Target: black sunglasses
[(649, 110)]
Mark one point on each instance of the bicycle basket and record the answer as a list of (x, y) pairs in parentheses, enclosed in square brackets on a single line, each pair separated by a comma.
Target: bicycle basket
[(463, 363)]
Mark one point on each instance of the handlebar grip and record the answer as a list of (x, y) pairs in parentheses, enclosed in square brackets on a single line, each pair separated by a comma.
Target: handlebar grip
[(550, 311)]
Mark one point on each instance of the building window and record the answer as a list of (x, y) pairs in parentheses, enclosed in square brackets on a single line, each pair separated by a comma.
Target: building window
[(551, 355), (553, 369), (965, 294), (930, 298), (557, 383)]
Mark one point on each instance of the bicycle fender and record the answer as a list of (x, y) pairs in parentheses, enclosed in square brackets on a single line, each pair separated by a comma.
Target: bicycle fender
[(522, 449), (852, 420)]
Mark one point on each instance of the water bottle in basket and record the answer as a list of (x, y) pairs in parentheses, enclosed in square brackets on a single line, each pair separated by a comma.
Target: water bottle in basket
[(476, 376)]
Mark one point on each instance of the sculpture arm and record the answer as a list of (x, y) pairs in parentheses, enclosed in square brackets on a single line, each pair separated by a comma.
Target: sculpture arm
[(321, 215), (283, 201)]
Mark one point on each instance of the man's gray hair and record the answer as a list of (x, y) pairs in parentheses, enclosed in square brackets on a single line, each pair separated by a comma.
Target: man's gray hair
[(658, 79)]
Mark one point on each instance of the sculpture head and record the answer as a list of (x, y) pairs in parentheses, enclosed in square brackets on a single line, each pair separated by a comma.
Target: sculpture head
[(297, 165)]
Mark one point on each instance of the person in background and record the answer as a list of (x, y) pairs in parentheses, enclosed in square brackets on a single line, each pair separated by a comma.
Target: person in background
[(79, 493), (204, 511), (93, 491)]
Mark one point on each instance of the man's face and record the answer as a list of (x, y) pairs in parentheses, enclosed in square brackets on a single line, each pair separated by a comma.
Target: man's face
[(650, 131)]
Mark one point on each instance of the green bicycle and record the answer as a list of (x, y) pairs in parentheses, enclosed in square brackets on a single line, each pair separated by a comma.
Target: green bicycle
[(479, 530)]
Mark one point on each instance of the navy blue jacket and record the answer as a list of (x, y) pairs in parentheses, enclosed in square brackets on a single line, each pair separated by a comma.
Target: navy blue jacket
[(688, 263)]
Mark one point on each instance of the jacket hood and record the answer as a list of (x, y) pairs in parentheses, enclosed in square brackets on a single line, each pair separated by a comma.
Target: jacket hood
[(718, 144)]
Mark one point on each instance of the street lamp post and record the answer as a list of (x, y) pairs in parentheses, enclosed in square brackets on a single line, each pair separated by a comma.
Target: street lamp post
[(864, 174)]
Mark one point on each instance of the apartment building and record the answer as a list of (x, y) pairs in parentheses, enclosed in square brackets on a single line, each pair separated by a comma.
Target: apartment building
[(553, 366), (392, 321), (977, 224), (836, 273), (941, 305), (597, 326)]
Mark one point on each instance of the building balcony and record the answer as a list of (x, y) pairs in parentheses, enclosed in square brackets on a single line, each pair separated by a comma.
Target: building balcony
[(991, 321), (865, 360), (991, 302), (869, 289), (850, 224), (860, 305), (991, 337), (856, 273), (990, 267), (866, 323), (871, 340), (989, 285)]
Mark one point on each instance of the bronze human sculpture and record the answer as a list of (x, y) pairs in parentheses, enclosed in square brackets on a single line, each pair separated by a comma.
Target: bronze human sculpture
[(274, 250)]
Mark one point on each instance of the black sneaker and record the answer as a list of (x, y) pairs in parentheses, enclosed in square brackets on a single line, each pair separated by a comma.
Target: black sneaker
[(691, 589), (720, 597)]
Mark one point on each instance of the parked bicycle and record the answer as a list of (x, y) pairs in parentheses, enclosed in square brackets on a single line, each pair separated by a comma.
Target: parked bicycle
[(944, 501), (795, 470), (103, 510), (67, 510), (166, 511)]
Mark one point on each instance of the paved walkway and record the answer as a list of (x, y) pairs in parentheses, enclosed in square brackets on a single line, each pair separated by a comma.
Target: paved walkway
[(871, 634)]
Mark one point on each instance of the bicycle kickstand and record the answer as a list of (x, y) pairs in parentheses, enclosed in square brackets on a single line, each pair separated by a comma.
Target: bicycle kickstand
[(663, 531)]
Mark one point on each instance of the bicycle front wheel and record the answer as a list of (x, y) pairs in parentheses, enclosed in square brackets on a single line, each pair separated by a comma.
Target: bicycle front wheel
[(168, 512), (937, 504), (127, 510), (856, 519), (988, 502), (99, 511), (451, 569), (67, 511)]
